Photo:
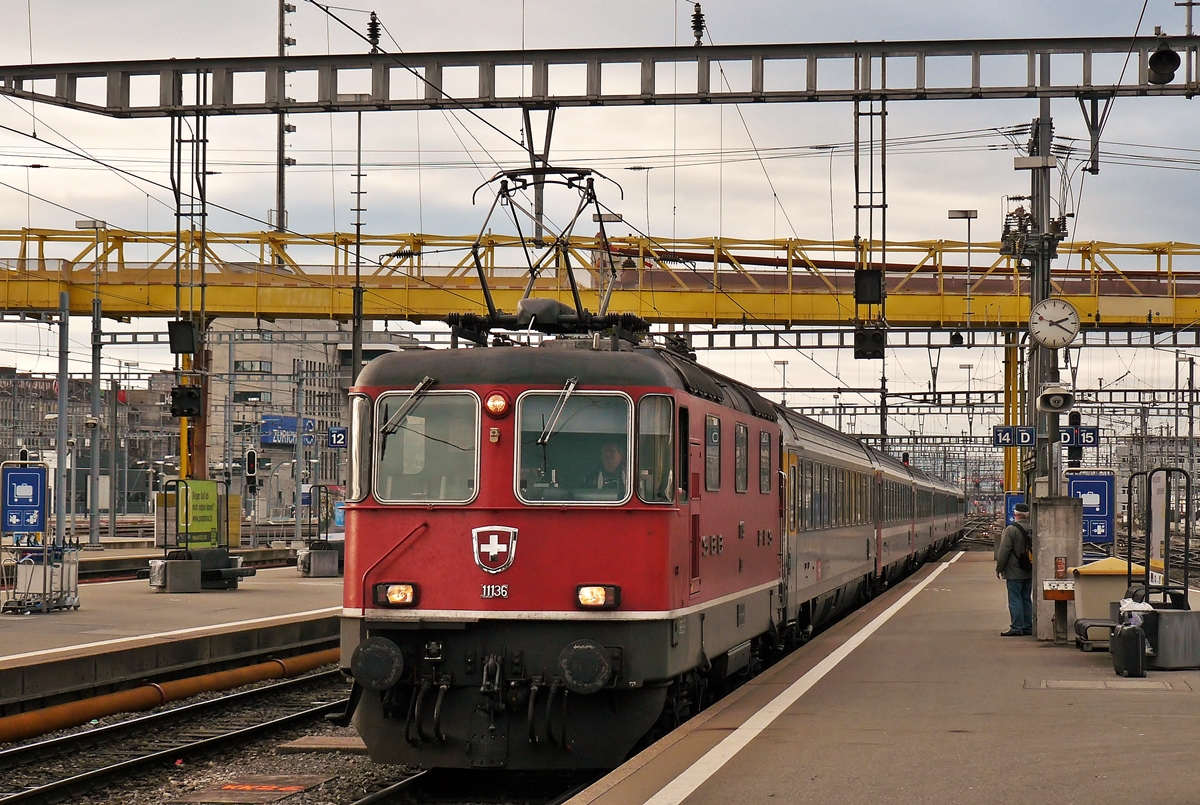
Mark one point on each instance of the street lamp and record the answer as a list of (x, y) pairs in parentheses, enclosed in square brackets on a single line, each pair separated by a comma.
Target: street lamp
[(94, 473), (970, 417), (783, 366), (968, 216), (125, 366)]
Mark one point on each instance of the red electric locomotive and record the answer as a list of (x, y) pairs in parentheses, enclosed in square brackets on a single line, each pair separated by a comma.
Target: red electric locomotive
[(553, 549)]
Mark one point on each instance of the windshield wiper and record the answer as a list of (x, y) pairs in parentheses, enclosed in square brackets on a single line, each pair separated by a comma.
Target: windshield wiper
[(565, 395), (414, 397)]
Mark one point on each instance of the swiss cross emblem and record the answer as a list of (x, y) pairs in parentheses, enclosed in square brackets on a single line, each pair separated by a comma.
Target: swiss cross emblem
[(495, 547)]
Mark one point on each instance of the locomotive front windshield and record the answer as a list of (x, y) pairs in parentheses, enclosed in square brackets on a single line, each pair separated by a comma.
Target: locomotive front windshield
[(574, 448), (430, 454)]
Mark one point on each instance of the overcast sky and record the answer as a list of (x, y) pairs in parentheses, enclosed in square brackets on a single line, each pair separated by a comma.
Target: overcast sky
[(1122, 203)]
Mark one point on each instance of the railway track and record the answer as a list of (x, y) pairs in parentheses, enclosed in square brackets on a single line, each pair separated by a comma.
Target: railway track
[(54, 769), (501, 788)]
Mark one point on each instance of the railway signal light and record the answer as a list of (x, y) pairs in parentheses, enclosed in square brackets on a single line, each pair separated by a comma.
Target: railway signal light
[(1055, 400), (187, 401), (869, 343), (868, 287), (1163, 63)]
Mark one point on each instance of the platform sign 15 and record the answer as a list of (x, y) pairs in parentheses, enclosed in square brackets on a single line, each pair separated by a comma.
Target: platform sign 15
[(24, 509), (1079, 437), (337, 437)]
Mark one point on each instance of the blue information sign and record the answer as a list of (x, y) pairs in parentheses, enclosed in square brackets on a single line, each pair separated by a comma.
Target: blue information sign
[(1003, 436), (1026, 436), (1068, 437), (1089, 437), (339, 514), (1097, 491), (337, 437), (24, 508), (1011, 499), (281, 430)]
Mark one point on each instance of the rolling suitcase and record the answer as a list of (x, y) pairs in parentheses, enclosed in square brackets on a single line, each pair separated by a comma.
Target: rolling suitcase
[(1128, 647)]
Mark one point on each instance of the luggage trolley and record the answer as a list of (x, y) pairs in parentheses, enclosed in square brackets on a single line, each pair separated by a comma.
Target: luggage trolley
[(1171, 628), (35, 574)]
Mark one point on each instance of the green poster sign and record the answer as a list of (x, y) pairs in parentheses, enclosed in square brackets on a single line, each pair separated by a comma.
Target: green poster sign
[(198, 510)]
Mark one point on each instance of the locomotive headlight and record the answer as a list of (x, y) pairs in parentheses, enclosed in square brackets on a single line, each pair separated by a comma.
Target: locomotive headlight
[(496, 404), (598, 596), (396, 595)]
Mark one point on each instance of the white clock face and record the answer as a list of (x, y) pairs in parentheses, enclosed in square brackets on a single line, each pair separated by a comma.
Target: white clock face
[(1054, 323)]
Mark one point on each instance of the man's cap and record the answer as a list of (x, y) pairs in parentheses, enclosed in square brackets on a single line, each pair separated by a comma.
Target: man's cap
[(1023, 508)]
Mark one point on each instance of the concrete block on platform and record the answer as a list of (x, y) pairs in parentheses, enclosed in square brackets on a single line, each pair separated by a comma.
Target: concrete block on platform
[(317, 564), (175, 575)]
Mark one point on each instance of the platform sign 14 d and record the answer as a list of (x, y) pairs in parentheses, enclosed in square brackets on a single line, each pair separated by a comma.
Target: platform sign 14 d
[(24, 509), (1013, 436)]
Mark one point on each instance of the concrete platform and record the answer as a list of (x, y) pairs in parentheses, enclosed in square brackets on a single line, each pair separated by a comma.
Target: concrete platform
[(917, 698), (125, 631)]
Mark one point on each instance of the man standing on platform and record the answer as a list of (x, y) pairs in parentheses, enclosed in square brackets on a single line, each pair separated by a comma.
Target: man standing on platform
[(1013, 565)]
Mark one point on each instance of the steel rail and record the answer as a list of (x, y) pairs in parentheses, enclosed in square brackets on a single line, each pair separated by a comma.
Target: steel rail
[(10, 758)]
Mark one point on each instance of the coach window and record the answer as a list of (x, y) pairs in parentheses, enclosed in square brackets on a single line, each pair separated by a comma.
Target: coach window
[(764, 462), (656, 452), (741, 458), (826, 494), (712, 453), (574, 447), (430, 453), (807, 496), (360, 447), (793, 483)]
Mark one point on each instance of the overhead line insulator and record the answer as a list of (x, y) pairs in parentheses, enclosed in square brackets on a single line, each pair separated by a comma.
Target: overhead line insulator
[(698, 25)]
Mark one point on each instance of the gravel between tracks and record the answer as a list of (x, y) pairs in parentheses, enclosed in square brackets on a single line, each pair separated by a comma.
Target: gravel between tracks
[(354, 776)]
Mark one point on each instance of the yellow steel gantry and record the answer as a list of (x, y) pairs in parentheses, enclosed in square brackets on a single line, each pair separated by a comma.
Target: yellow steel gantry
[(704, 280)]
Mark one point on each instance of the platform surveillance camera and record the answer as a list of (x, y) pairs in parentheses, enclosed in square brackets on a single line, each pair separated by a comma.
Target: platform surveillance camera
[(91, 422), (1055, 400)]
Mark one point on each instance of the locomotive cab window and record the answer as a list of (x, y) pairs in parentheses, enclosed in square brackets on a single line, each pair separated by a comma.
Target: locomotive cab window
[(655, 481), (575, 447), (360, 447), (427, 454)]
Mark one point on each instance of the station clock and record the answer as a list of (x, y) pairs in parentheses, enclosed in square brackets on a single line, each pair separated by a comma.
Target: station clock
[(1054, 323)]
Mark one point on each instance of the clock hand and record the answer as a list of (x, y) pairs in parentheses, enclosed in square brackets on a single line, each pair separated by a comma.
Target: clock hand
[(1059, 324)]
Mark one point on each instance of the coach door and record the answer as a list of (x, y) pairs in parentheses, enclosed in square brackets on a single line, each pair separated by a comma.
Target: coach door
[(790, 478), (877, 520)]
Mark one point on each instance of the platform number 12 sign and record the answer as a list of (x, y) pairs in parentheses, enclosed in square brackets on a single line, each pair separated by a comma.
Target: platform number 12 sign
[(337, 437)]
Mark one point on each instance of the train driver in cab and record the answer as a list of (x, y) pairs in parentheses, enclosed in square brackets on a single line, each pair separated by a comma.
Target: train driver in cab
[(610, 474)]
